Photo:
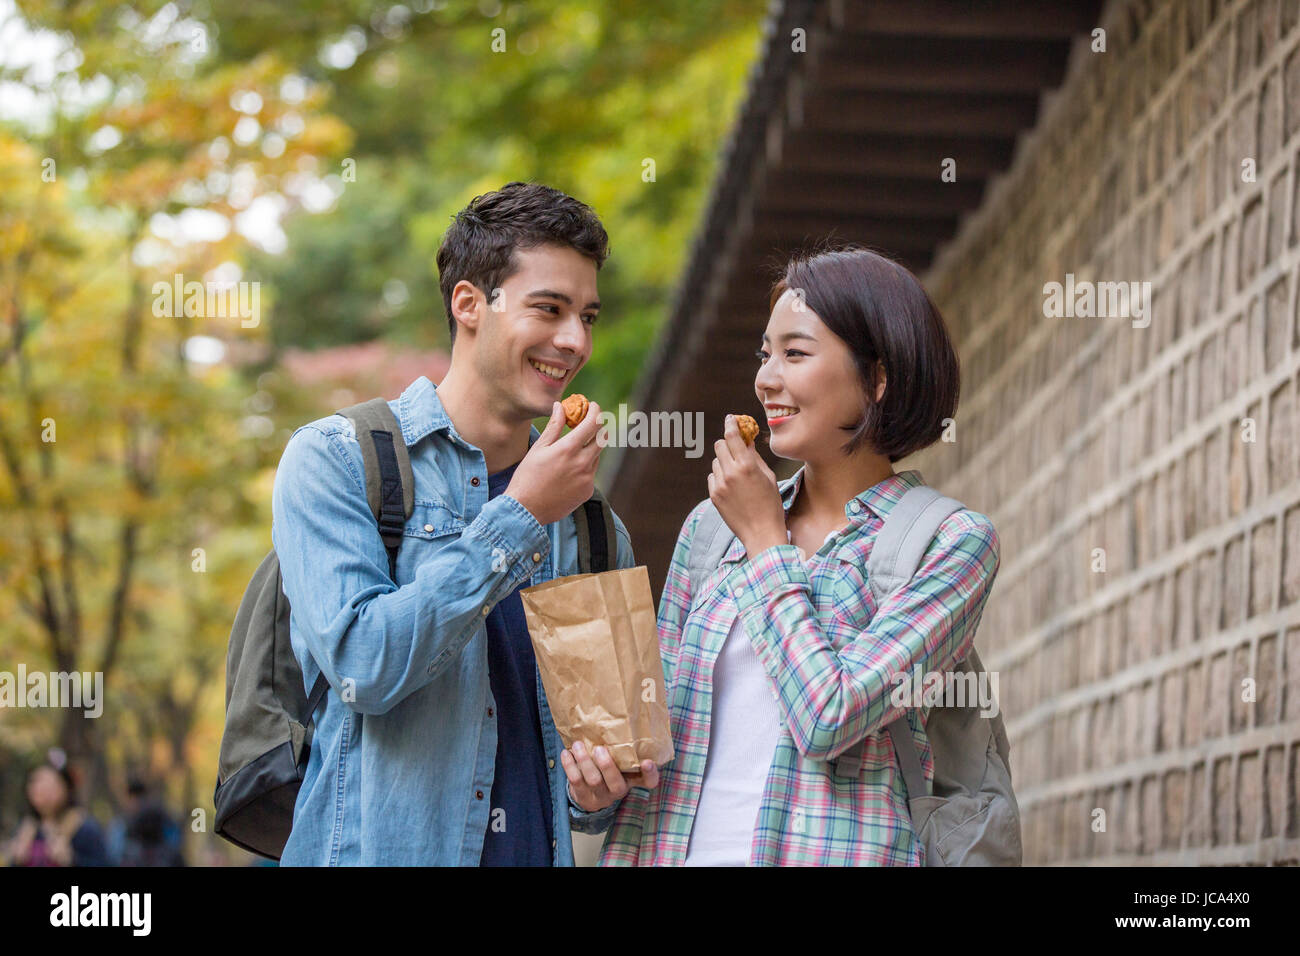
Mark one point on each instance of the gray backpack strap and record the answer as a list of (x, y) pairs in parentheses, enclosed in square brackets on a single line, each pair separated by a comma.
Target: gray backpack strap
[(896, 553), (390, 492), (909, 529), (709, 545), (375, 423)]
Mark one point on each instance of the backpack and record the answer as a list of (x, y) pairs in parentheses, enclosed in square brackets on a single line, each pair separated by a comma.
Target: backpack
[(269, 719), (972, 818)]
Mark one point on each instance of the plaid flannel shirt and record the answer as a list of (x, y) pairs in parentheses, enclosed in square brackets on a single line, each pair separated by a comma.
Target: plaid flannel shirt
[(831, 657)]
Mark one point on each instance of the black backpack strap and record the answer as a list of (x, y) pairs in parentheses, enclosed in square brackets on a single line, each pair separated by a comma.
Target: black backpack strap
[(317, 692), (390, 483), (594, 521)]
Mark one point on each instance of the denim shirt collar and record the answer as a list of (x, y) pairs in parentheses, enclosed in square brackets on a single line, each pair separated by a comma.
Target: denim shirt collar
[(420, 413)]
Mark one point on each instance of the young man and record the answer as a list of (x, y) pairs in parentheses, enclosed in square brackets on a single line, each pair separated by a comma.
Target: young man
[(434, 744)]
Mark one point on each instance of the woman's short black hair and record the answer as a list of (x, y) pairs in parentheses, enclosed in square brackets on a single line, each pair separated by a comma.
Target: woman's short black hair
[(878, 308), (480, 245)]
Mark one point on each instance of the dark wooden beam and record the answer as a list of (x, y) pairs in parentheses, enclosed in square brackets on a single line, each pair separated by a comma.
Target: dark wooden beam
[(936, 64), (896, 112), (1037, 19), (905, 232), (915, 157), (867, 195)]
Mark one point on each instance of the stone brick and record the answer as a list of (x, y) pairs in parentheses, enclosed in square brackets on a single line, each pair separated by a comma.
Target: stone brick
[(1279, 218), (1293, 796), (1291, 556), (1273, 814), (1216, 714), (1239, 710), (1209, 575), (1174, 809), (1250, 796), (1247, 41), (1269, 125), (1291, 675), (1257, 457), (1195, 730), (1185, 606), (1228, 252), (1291, 85), (1238, 475), (1234, 576), (1266, 680), (1198, 815), (1221, 814), (1263, 566), (1234, 356), (1152, 815), (1281, 429), (1209, 377)]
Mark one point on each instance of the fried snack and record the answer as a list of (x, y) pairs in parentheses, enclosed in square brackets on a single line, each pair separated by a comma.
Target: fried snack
[(748, 428), (575, 409)]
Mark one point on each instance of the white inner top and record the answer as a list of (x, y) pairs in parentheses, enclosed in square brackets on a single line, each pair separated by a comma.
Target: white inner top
[(743, 733)]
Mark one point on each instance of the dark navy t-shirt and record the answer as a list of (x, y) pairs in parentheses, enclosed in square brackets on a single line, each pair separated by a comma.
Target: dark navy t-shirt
[(520, 820)]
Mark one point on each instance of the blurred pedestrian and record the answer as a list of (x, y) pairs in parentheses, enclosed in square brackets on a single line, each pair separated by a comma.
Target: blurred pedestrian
[(55, 831)]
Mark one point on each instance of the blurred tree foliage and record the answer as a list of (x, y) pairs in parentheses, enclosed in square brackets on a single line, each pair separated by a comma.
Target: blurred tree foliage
[(135, 475), (579, 96)]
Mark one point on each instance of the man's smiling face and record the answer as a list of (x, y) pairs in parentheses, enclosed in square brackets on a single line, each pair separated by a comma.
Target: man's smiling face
[(536, 334)]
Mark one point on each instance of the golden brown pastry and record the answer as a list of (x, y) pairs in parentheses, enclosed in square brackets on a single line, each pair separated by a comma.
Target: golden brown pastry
[(748, 428), (575, 409)]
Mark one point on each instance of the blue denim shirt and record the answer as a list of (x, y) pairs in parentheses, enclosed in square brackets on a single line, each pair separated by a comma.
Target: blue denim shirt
[(403, 755)]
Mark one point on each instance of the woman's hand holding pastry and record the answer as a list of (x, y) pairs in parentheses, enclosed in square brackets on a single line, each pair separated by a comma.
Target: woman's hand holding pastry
[(744, 491)]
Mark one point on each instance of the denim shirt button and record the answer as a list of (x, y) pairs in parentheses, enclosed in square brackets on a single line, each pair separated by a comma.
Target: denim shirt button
[(474, 481), (485, 610), (489, 711), (428, 528), (536, 557), (478, 794), (551, 764)]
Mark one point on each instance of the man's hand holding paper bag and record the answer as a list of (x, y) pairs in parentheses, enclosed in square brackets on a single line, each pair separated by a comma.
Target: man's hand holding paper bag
[(597, 648)]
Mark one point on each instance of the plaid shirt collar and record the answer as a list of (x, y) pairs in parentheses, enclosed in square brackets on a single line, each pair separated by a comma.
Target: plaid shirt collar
[(877, 500)]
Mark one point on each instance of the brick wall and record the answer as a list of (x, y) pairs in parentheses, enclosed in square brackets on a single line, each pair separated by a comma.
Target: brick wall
[(1123, 688)]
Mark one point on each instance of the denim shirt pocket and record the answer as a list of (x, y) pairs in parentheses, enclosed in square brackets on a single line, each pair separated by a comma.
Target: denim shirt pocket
[(431, 526)]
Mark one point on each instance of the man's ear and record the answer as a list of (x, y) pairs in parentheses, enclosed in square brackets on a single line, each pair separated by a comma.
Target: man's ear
[(466, 306)]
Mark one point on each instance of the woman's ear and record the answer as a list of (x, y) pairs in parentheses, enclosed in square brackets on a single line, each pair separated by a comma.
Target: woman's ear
[(880, 385)]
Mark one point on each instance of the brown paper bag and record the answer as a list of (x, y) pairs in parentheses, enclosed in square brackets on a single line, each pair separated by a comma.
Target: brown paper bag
[(597, 647)]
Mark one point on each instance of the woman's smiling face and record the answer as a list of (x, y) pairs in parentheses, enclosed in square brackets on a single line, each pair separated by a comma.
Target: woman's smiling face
[(808, 384)]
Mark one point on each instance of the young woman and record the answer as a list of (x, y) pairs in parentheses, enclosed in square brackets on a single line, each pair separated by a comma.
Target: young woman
[(55, 831), (781, 662)]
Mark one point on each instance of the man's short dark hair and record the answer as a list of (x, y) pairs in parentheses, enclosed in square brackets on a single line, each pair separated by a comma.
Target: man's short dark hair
[(881, 312), (480, 245)]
